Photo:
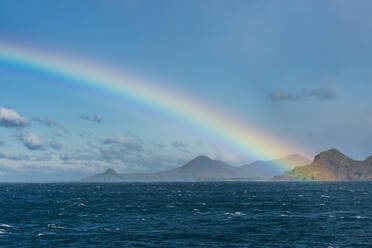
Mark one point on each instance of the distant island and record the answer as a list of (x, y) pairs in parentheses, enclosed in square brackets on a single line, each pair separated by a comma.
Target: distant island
[(331, 165), (202, 168)]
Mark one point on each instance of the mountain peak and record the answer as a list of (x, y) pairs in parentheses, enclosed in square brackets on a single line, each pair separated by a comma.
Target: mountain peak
[(199, 161), (110, 171), (201, 158), (203, 166), (110, 175), (331, 155)]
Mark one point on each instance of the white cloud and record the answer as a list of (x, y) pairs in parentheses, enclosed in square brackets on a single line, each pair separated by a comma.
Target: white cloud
[(10, 118), (31, 141)]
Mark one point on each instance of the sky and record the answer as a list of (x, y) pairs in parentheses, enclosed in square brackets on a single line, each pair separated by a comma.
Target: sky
[(298, 70)]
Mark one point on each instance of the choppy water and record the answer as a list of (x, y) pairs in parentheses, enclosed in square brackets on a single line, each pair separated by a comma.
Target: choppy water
[(250, 214)]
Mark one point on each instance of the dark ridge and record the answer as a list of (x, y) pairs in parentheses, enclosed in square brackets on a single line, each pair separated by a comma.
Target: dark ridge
[(331, 165)]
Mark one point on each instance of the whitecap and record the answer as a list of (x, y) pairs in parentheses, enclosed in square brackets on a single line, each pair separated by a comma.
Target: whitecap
[(6, 225), (45, 233), (54, 226), (234, 214), (358, 217), (238, 213)]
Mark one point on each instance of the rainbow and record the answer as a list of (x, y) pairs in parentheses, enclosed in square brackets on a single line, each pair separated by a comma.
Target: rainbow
[(248, 139)]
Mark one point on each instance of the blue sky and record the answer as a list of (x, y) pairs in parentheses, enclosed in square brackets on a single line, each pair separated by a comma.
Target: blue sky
[(300, 69)]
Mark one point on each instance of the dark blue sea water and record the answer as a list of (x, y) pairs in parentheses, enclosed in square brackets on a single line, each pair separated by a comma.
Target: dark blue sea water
[(223, 214)]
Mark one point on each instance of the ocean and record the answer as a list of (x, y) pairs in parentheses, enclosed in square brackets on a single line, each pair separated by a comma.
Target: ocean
[(200, 214)]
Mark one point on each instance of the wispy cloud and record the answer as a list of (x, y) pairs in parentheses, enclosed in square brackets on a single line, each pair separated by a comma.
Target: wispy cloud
[(10, 118), (59, 134), (50, 123), (95, 118), (321, 94), (115, 140), (10, 156), (54, 145), (46, 121), (279, 95), (31, 140), (161, 146), (179, 144), (124, 143)]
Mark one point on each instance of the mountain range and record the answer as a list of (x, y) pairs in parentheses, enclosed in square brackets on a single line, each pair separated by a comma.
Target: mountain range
[(331, 165), (204, 168)]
